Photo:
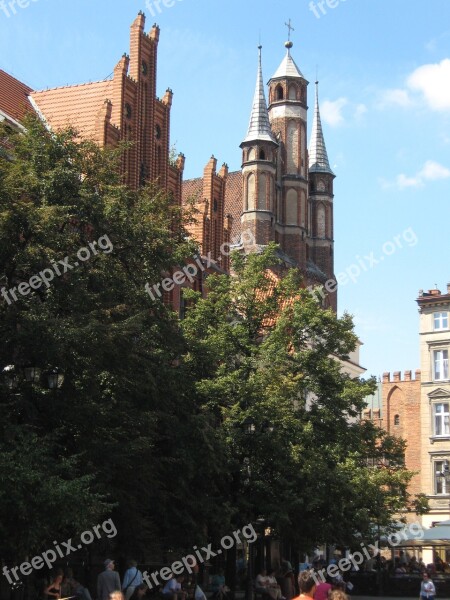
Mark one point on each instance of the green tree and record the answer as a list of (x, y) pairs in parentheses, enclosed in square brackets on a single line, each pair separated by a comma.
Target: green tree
[(264, 354), (119, 435)]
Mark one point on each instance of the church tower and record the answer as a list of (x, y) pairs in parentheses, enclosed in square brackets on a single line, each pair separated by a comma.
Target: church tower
[(259, 171), (321, 179), (288, 118)]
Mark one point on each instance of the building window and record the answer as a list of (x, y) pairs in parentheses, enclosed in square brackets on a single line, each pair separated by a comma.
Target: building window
[(441, 419), (128, 111), (440, 484), (182, 311), (397, 420), (279, 92), (251, 192), (440, 320), (440, 364)]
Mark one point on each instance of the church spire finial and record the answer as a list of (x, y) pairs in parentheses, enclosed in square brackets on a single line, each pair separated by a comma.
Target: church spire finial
[(289, 43), (318, 157)]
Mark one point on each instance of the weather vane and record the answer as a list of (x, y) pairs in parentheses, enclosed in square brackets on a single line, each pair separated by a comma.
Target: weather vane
[(290, 28)]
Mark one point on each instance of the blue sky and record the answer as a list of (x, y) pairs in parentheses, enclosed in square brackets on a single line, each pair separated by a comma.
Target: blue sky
[(384, 71)]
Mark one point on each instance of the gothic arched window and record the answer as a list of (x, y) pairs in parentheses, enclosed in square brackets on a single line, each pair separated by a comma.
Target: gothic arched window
[(251, 188), (291, 208), (262, 179)]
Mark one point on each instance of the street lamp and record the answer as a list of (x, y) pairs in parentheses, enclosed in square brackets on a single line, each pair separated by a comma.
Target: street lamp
[(32, 374), (11, 377), (251, 430), (55, 378)]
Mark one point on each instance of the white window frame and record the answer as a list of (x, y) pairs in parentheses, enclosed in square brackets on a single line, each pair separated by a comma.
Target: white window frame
[(444, 418), (440, 357), (440, 321), (438, 481)]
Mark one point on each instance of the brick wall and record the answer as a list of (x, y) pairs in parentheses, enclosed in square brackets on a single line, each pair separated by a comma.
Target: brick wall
[(401, 417)]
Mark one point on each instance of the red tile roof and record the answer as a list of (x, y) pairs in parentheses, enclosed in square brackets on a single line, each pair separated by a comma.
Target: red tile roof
[(79, 105), (14, 97), (233, 202), (192, 188)]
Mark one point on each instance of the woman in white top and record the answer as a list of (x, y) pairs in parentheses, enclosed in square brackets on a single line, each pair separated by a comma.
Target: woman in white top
[(427, 589)]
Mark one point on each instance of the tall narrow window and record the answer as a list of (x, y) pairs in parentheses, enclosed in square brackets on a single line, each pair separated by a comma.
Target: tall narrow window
[(262, 191), (251, 185), (291, 208), (292, 148), (440, 320), (440, 364), (441, 419), (397, 420), (321, 221)]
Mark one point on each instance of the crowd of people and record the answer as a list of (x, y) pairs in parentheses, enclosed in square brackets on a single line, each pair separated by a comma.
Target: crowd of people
[(273, 584), (63, 585)]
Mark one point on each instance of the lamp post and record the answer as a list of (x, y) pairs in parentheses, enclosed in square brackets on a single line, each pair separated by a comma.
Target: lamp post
[(22, 381), (251, 430)]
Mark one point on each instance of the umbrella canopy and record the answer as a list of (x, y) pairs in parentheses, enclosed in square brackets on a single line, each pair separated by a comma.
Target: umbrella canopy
[(434, 536)]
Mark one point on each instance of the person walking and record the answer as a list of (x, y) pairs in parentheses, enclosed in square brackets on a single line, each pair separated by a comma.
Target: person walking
[(427, 589), (108, 581), (131, 580)]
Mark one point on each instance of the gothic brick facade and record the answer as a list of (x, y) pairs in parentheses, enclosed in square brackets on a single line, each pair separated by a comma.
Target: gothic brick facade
[(401, 418), (283, 192)]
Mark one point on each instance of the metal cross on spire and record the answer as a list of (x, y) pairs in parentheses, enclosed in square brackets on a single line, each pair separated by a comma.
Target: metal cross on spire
[(290, 28)]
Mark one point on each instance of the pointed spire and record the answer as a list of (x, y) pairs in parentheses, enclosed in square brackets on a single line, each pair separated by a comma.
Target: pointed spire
[(318, 157), (288, 68), (259, 128)]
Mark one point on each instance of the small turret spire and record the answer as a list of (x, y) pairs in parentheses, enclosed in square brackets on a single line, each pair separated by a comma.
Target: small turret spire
[(259, 128), (318, 157)]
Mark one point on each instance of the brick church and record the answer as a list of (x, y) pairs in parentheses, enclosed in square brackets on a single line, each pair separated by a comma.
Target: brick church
[(284, 193)]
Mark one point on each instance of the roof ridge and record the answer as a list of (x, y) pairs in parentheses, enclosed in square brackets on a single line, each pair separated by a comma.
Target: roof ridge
[(75, 85), (15, 79)]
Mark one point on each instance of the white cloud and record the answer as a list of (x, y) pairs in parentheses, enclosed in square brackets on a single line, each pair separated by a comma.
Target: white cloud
[(403, 181), (331, 111), (433, 81), (394, 97), (360, 111), (431, 171)]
